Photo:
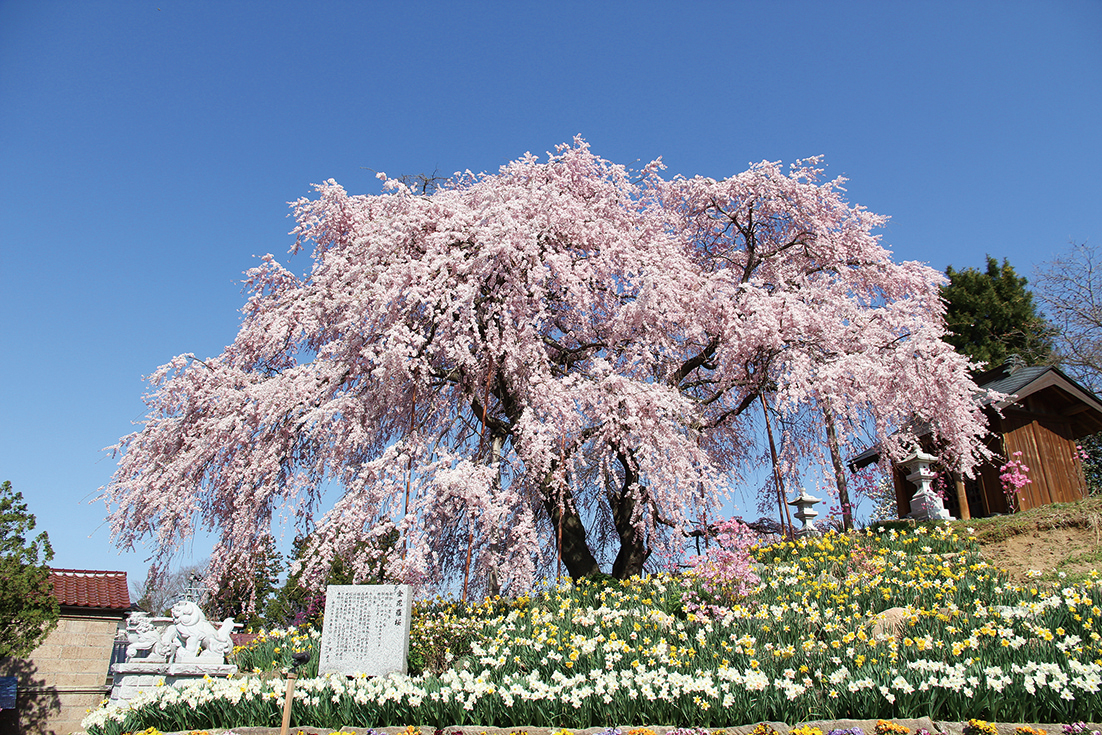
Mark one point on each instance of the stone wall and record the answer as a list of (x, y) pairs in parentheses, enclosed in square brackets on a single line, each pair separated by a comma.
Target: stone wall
[(65, 676)]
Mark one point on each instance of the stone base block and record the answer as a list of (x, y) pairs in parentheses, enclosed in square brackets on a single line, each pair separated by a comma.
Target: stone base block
[(132, 679)]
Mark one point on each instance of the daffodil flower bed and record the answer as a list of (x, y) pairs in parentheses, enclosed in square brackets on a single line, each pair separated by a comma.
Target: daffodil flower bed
[(808, 643), (272, 651)]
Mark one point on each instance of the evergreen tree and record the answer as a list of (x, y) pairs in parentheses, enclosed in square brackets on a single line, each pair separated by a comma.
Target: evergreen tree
[(991, 316), (235, 598), (28, 608), (296, 603)]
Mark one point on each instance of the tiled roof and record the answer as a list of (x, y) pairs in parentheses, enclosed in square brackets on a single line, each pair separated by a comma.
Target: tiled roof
[(93, 589), (1005, 381)]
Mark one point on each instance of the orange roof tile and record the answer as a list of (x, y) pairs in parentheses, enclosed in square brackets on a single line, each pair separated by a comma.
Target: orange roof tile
[(88, 588)]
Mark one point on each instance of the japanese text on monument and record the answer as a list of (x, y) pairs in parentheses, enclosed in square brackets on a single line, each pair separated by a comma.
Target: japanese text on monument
[(366, 629)]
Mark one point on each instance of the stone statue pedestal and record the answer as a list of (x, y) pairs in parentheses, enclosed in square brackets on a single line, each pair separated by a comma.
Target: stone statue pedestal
[(131, 679), (171, 651)]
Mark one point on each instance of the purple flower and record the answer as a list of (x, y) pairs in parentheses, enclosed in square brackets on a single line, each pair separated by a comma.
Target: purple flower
[(850, 731)]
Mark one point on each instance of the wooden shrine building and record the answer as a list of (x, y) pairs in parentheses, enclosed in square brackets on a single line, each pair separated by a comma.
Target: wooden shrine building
[(1045, 417)]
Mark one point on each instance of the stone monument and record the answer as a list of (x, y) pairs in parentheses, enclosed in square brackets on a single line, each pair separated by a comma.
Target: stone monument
[(366, 629), (172, 650)]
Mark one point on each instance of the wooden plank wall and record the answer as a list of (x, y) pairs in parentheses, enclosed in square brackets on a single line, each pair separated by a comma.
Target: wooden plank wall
[(1041, 428), (904, 491), (991, 489), (1048, 449)]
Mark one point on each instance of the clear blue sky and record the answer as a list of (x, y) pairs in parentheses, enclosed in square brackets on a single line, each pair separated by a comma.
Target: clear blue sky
[(148, 150)]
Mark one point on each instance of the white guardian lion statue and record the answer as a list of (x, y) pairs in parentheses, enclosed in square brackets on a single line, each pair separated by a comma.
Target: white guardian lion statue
[(143, 640), (194, 639)]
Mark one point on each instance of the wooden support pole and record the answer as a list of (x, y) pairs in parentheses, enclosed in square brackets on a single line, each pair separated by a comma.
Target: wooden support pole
[(839, 469), (409, 465), (287, 701), (467, 564), (481, 442), (962, 498), (558, 548)]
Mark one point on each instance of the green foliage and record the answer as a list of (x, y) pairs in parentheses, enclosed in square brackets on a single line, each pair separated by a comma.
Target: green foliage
[(28, 608), (589, 589), (296, 603), (600, 579), (443, 631), (991, 316), (232, 596)]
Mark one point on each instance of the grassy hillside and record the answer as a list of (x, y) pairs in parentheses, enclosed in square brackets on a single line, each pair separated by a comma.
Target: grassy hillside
[(1043, 543)]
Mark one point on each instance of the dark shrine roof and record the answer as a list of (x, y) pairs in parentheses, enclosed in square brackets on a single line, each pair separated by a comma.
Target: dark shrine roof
[(1060, 394), (1004, 380)]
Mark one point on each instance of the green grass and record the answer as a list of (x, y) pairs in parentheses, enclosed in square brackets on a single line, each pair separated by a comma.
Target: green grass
[(1086, 513)]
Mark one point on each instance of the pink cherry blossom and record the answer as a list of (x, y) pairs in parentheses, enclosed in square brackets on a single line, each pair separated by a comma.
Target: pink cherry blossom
[(562, 349)]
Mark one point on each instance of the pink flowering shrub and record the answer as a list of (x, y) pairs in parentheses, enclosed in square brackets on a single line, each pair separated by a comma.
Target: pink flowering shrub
[(724, 574), (1014, 478), (940, 487)]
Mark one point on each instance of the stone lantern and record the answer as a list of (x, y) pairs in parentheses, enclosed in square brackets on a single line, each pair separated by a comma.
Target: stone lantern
[(926, 504), (196, 591), (806, 513)]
